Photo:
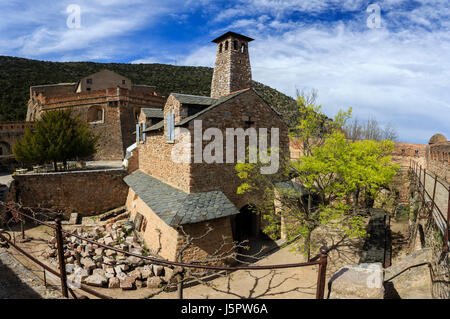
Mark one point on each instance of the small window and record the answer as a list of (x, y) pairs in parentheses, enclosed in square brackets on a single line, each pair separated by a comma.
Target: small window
[(235, 45), (124, 82), (226, 45), (220, 48), (95, 114), (403, 152), (89, 81), (138, 221), (88, 89), (243, 48)]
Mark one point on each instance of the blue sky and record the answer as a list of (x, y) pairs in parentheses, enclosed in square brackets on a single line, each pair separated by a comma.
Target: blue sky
[(398, 73)]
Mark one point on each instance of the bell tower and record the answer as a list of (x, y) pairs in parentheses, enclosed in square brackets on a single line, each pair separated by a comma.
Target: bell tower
[(232, 71)]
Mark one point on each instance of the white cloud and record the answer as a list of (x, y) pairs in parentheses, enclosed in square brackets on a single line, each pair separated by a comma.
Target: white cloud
[(399, 76), (42, 30)]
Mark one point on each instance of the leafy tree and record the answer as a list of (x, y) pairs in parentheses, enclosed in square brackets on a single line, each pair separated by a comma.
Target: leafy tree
[(57, 137), (314, 190)]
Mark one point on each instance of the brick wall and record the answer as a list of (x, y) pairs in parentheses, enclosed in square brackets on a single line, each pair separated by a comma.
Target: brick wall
[(84, 192)]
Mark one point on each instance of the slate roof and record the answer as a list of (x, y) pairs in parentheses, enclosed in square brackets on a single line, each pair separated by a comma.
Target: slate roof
[(219, 101), (296, 187), (233, 34), (157, 126), (151, 112), (194, 99), (176, 207)]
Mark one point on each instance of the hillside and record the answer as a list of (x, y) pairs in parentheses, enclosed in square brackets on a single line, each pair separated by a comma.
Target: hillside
[(18, 74)]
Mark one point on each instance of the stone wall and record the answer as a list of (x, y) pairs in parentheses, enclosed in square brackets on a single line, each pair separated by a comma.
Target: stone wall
[(119, 107), (232, 114), (10, 133), (159, 237), (232, 70), (155, 155), (155, 159), (209, 244), (84, 192), (166, 241), (440, 261), (404, 153), (438, 160)]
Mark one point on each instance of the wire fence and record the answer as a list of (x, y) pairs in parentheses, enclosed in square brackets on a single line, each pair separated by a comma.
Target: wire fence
[(19, 216), (436, 203)]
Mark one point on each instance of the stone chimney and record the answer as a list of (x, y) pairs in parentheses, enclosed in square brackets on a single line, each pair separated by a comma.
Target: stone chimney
[(232, 71)]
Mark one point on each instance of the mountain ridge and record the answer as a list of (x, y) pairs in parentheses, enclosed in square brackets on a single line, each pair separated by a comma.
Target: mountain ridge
[(18, 74)]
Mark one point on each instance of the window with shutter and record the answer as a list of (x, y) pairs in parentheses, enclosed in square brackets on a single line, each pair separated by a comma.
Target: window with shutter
[(170, 122), (138, 132)]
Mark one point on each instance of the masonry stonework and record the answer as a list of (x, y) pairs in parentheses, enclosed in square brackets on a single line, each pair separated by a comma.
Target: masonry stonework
[(438, 159), (232, 71), (84, 192), (110, 103)]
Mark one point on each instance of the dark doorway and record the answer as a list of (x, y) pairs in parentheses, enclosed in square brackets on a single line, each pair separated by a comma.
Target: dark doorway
[(245, 224), (254, 244)]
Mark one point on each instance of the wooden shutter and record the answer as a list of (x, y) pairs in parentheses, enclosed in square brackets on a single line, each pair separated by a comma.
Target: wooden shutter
[(138, 133), (144, 126), (170, 122)]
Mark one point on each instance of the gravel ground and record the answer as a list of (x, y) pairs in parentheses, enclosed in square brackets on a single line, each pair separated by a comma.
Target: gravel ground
[(18, 282)]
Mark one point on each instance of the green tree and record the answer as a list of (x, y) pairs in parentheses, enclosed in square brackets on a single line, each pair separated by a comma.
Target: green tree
[(57, 137), (314, 189)]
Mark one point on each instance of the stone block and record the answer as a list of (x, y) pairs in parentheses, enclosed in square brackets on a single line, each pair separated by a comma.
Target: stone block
[(364, 281)]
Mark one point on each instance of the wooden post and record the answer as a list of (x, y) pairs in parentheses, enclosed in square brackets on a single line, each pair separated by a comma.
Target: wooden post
[(446, 248), (434, 189), (62, 262), (22, 227), (180, 286), (321, 277)]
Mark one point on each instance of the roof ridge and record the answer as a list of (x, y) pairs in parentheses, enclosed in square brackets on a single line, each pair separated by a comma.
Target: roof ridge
[(242, 90)]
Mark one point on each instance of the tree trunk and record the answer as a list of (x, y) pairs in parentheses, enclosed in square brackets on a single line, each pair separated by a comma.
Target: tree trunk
[(308, 245)]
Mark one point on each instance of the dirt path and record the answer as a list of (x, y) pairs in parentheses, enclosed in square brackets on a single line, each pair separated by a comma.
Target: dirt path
[(293, 283), (18, 282)]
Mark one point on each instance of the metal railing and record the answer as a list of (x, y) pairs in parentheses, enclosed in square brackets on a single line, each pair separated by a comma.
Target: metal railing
[(5, 239), (418, 172)]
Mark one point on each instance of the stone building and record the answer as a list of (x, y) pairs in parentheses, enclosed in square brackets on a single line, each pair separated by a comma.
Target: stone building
[(10, 133), (438, 156), (167, 192), (109, 102)]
